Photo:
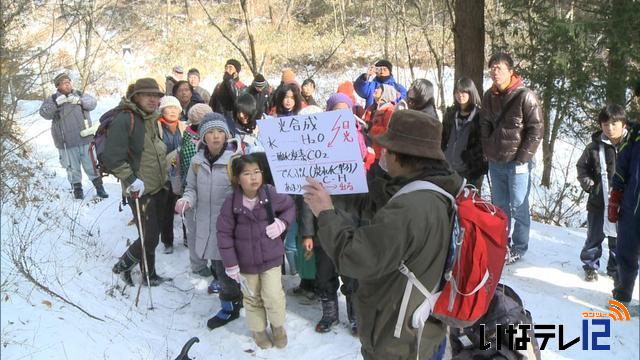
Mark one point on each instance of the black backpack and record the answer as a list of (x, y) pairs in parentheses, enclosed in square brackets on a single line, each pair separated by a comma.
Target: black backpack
[(506, 308), (99, 142)]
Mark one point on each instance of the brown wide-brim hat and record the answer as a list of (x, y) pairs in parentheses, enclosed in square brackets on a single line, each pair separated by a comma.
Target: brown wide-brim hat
[(146, 85), (414, 133)]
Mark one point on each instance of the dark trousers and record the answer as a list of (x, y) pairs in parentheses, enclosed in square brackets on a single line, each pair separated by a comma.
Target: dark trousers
[(152, 208), (628, 251), (166, 236), (327, 278), (230, 289), (592, 250)]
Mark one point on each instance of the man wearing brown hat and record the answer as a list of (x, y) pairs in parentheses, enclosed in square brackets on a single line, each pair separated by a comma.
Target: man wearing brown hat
[(135, 154), (69, 109), (226, 92), (411, 228)]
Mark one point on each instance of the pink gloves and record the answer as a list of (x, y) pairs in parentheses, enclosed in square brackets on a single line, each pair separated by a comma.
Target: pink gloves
[(276, 229), (233, 272), (182, 205)]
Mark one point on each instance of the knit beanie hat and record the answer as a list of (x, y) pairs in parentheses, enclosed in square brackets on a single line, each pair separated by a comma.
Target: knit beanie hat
[(197, 113), (337, 98), (259, 81), (211, 121), (385, 63), (288, 76), (169, 100), (347, 89), (235, 63), (58, 79), (178, 69)]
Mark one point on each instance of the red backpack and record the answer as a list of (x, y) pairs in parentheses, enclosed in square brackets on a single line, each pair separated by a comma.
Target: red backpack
[(474, 264)]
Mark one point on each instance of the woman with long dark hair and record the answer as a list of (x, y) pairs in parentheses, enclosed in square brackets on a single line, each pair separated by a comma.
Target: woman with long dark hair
[(461, 133)]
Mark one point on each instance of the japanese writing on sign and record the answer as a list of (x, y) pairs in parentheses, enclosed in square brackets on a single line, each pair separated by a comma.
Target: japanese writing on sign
[(323, 146)]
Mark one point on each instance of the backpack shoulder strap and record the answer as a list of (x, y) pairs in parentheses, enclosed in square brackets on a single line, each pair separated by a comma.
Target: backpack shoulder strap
[(131, 121), (426, 185)]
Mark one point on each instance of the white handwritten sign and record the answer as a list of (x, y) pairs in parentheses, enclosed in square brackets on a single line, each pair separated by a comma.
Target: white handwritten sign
[(323, 146)]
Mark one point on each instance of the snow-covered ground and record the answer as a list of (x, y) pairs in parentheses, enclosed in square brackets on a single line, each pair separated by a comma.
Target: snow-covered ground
[(74, 245)]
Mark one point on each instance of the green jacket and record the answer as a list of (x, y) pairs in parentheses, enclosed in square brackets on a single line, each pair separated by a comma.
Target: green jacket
[(413, 228), (141, 155)]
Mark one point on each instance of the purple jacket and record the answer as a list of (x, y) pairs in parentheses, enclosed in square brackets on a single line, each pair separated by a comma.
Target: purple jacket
[(242, 236)]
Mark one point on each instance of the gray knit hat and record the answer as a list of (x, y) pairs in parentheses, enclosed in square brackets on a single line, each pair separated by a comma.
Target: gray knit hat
[(197, 113), (212, 121)]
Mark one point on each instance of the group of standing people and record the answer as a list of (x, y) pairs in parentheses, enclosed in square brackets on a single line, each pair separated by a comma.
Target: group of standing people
[(203, 159)]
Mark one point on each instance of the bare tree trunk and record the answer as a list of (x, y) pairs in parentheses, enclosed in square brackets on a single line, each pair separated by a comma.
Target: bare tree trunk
[(406, 40), (387, 32), (186, 9), (468, 33), (245, 6)]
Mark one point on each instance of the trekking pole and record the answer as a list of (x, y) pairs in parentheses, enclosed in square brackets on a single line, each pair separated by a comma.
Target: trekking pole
[(144, 253)]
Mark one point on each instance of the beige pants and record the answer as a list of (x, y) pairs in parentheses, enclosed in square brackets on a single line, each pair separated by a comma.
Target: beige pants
[(267, 302)]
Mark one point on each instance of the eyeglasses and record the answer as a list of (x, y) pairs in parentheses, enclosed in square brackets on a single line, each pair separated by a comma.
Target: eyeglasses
[(251, 173)]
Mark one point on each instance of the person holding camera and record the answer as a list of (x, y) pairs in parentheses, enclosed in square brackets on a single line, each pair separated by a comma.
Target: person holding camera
[(69, 111), (378, 74), (226, 92)]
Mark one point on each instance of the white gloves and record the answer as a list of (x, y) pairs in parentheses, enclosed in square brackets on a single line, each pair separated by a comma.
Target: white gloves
[(61, 99), (276, 228), (136, 188), (73, 99)]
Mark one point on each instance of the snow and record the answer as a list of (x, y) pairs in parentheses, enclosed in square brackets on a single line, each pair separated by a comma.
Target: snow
[(75, 244)]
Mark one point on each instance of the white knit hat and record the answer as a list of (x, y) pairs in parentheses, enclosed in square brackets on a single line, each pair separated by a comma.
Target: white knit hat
[(169, 100)]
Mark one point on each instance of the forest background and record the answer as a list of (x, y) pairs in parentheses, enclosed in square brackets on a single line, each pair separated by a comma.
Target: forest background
[(577, 55)]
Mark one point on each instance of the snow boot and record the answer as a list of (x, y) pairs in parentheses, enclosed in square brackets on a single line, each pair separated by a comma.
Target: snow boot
[(513, 256), (279, 336), (591, 275), (78, 194), (351, 314), (230, 311), (214, 287), (97, 182), (262, 339), (329, 315), (291, 260), (124, 266)]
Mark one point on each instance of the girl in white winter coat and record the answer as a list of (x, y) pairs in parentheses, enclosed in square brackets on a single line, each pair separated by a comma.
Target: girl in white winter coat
[(207, 187)]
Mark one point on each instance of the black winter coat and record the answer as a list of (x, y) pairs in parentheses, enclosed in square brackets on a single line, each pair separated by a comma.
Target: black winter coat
[(473, 156), (589, 170)]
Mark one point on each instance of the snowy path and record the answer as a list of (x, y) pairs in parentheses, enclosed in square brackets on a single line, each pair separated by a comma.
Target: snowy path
[(76, 262)]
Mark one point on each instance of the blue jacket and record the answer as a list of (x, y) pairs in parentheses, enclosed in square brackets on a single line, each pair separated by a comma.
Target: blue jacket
[(627, 176), (365, 88)]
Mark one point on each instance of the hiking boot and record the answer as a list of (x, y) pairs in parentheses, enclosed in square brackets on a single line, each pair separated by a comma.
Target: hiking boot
[(279, 336), (512, 256), (124, 266), (214, 287), (78, 194), (262, 339), (97, 182), (591, 275), (155, 279), (230, 311), (329, 315), (204, 272), (168, 249), (351, 314)]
